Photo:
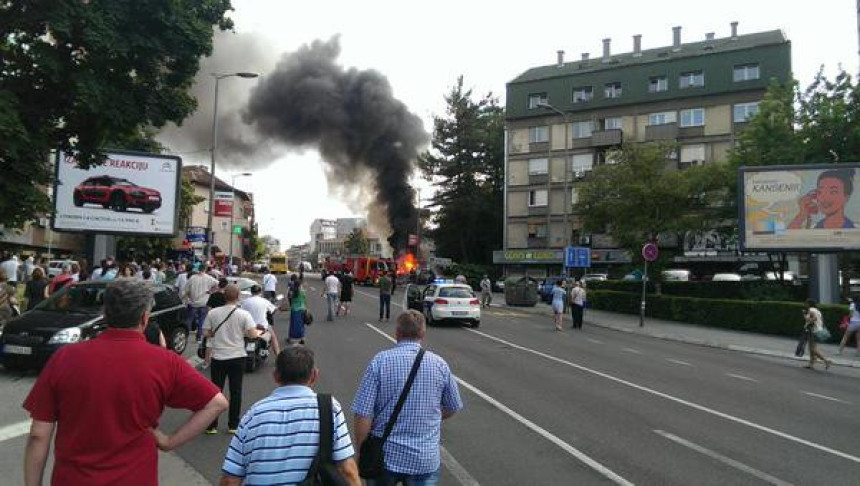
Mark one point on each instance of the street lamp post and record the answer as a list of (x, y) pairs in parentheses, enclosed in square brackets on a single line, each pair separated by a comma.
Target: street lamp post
[(209, 233), (566, 168), (233, 211)]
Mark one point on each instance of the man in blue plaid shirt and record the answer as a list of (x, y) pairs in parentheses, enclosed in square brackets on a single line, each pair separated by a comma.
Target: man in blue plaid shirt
[(412, 450)]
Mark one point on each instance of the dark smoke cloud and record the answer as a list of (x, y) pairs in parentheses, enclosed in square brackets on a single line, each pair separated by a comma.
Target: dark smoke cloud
[(351, 117)]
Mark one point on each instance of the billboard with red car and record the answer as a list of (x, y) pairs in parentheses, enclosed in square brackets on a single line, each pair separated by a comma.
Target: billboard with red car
[(131, 193)]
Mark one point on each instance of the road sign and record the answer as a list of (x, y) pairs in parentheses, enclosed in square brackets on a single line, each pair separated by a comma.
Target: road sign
[(237, 229), (650, 252), (577, 257)]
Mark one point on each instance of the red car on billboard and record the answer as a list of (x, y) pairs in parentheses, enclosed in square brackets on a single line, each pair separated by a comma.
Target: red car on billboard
[(116, 193)]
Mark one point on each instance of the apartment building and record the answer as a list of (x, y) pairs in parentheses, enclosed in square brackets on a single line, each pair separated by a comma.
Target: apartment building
[(562, 120)]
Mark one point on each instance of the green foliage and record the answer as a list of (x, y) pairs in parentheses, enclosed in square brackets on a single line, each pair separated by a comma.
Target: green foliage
[(775, 318), (253, 247), (473, 273), (640, 197), (753, 290), (77, 76), (466, 164), (356, 243)]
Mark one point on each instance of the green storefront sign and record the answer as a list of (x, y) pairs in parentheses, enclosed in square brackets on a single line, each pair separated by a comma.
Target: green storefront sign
[(529, 256)]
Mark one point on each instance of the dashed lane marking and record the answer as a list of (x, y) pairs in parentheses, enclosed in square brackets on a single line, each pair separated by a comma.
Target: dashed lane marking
[(678, 362), (725, 460), (603, 470), (675, 399), (825, 397), (631, 350), (595, 341), (742, 377), (14, 430)]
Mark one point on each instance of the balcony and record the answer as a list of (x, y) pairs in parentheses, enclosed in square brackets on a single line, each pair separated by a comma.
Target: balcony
[(538, 178), (538, 210), (539, 147), (668, 131), (537, 242), (605, 138), (691, 132), (577, 143)]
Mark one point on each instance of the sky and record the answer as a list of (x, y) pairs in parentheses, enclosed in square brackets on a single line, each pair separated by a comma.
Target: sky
[(423, 47)]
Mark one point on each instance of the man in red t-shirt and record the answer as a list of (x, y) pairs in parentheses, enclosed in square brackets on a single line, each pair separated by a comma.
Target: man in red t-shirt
[(105, 397)]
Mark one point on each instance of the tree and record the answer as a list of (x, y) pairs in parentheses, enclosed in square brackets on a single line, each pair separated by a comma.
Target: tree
[(75, 76), (253, 248), (637, 199), (356, 243), (466, 164)]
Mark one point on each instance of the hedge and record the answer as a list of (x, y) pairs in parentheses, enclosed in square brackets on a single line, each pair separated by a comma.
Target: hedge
[(760, 290), (765, 317)]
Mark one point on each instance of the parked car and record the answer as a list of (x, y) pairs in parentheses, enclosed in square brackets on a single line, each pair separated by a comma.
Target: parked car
[(117, 193), (726, 277), (74, 314), (676, 275), (787, 276), (499, 285), (445, 301), (595, 277), (634, 276), (244, 285), (55, 267), (545, 288)]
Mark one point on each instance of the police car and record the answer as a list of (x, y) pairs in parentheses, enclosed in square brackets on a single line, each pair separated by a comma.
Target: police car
[(444, 300)]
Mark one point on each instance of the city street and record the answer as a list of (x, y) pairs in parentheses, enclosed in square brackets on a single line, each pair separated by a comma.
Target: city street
[(575, 407)]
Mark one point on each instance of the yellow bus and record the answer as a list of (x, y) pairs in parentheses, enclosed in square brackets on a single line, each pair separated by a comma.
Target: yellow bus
[(278, 263)]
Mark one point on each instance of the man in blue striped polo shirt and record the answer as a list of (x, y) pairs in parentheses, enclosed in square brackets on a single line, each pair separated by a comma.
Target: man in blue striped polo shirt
[(278, 437), (412, 450)]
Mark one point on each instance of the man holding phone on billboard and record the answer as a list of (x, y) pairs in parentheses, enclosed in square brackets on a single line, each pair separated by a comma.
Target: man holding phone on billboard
[(834, 189)]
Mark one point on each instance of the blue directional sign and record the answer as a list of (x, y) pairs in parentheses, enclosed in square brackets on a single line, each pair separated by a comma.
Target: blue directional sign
[(577, 257)]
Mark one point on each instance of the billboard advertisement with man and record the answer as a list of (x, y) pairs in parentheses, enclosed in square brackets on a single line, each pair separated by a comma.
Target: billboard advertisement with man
[(131, 193), (800, 207)]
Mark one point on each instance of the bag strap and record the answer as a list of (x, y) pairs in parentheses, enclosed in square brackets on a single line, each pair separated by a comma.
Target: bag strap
[(225, 320), (326, 428), (400, 401)]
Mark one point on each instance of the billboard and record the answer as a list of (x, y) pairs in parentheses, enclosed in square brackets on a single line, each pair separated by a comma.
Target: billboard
[(130, 194), (223, 204), (800, 208)]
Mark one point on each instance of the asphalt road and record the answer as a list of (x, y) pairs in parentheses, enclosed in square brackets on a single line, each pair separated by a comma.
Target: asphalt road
[(582, 407)]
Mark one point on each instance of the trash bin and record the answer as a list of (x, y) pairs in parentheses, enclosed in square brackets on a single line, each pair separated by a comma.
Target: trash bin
[(521, 291)]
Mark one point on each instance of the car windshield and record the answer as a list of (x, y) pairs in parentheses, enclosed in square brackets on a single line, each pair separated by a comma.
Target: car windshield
[(123, 183), (74, 298), (456, 292)]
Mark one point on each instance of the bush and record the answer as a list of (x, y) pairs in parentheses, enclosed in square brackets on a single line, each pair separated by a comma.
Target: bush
[(765, 317), (759, 290)]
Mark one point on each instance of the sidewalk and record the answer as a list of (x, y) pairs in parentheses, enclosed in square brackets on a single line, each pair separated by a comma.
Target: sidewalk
[(746, 342)]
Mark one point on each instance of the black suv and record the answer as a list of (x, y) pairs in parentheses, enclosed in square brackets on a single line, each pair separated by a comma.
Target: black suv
[(74, 314)]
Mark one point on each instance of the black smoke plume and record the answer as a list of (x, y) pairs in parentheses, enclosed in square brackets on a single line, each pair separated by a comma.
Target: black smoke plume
[(351, 116)]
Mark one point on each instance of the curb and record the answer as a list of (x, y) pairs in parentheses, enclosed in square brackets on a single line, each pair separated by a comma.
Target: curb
[(702, 342)]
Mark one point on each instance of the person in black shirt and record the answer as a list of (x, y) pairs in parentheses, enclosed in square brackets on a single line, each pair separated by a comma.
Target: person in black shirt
[(216, 298), (35, 290), (346, 282)]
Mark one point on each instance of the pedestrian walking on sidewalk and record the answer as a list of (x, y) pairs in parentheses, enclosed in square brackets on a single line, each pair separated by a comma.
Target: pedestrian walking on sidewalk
[(410, 440), (486, 291), (853, 325), (577, 304), (558, 298), (226, 328), (385, 286), (279, 437), (104, 398), (814, 325), (331, 292)]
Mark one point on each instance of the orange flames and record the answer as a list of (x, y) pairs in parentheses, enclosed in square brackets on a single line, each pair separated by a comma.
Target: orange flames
[(405, 263)]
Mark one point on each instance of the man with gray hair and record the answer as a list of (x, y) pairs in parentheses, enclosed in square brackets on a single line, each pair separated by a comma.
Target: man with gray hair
[(105, 397), (411, 449)]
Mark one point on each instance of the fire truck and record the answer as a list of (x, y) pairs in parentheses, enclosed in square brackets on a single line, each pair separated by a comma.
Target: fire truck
[(365, 269)]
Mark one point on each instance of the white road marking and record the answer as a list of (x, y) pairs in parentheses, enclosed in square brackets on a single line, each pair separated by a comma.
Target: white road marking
[(595, 341), (313, 289), (681, 401), (678, 362), (14, 430), (825, 397), (742, 377), (457, 470), (725, 460), (631, 350), (603, 470)]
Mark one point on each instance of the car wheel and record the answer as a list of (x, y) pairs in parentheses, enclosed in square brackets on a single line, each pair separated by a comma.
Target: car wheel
[(117, 202), (178, 340), (148, 209), (476, 324), (428, 316), (78, 200)]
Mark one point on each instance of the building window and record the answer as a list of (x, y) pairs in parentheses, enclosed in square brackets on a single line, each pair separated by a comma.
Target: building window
[(574, 196), (582, 163), (582, 95), (694, 117), (538, 166), (538, 134), (692, 79), (538, 198), (743, 111), (746, 72), (612, 90), (537, 230), (658, 84), (693, 154), (613, 123), (663, 118), (536, 100), (582, 129)]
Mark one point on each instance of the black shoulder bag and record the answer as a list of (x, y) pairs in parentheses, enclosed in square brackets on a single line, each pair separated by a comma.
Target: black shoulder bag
[(323, 472), (371, 460), (201, 350)]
